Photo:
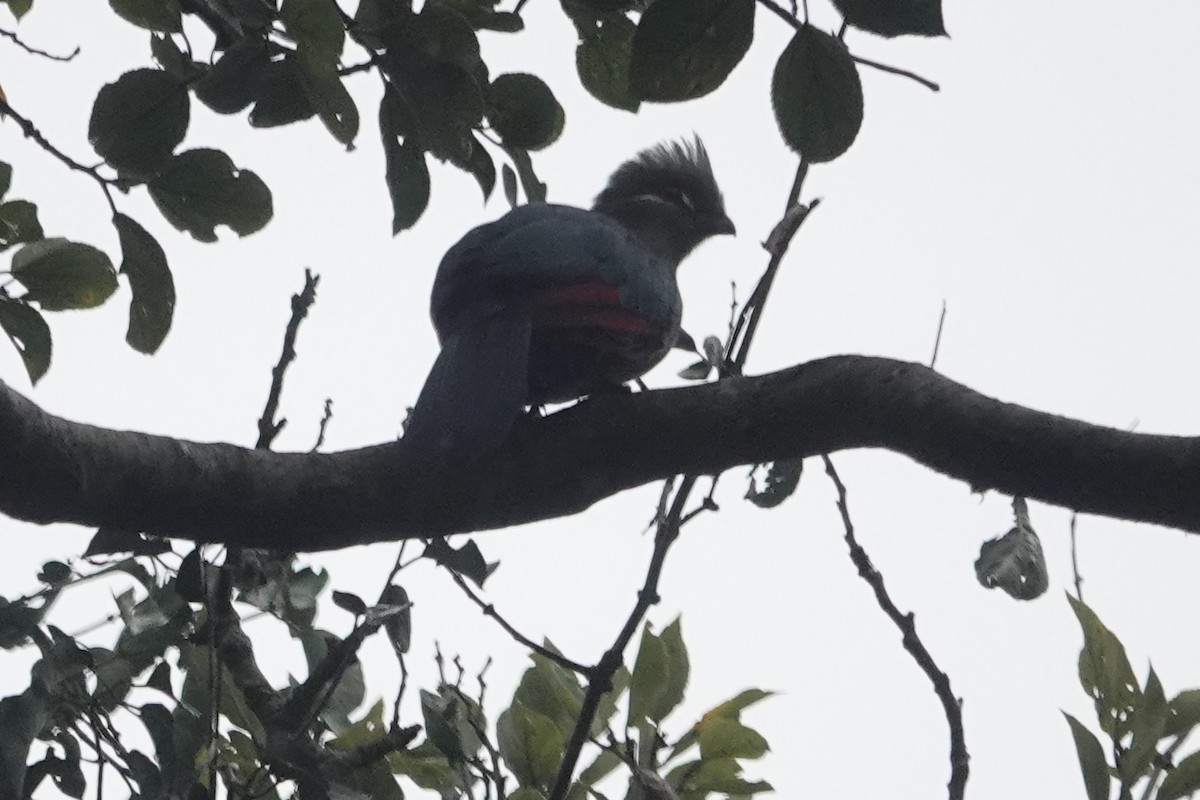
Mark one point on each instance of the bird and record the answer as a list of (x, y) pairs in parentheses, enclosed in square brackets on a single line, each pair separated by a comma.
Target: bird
[(551, 303)]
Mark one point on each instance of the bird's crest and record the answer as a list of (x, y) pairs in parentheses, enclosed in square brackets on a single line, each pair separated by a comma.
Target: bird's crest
[(678, 172)]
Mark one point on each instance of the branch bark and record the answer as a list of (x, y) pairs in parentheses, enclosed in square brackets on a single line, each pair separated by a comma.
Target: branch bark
[(53, 470)]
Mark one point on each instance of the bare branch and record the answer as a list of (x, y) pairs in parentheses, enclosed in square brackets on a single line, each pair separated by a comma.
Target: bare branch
[(7, 34), (268, 426), (959, 758)]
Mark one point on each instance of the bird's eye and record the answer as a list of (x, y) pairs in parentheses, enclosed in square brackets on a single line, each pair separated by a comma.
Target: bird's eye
[(679, 198)]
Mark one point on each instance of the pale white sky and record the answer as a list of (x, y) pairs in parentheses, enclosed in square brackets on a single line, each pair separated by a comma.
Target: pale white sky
[(1048, 194)]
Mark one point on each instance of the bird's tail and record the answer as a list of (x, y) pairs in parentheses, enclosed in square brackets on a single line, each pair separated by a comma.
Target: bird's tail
[(475, 390)]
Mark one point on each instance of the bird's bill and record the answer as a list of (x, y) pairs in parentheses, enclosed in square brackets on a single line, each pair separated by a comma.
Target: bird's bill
[(723, 224)]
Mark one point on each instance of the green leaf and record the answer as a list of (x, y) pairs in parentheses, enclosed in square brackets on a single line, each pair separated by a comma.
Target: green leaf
[(1091, 760), (5, 178), (19, 8), (603, 55), (314, 23), (281, 98), (550, 690), (1015, 562), (726, 737), (424, 765), (677, 671), (138, 121), (201, 189), (650, 677), (153, 305), (18, 223), (684, 49), (233, 82), (1181, 781), (724, 775), (730, 709), (320, 79), (894, 17), (155, 15), (62, 275), (1185, 713), (817, 95), (1104, 673), (440, 726), (524, 111), (406, 173), (530, 743), (781, 482), (1149, 719)]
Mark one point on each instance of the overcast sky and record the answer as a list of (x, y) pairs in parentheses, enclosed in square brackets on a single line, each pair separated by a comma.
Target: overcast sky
[(1048, 194)]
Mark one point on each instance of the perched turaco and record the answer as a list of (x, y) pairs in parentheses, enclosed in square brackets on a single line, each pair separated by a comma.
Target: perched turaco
[(550, 302)]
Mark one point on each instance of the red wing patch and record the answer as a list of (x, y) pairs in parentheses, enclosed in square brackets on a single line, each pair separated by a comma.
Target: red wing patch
[(589, 303)]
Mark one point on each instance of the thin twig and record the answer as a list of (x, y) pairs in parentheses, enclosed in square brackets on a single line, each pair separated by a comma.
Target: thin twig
[(490, 611), (959, 759), (268, 427), (794, 214), (325, 417), (600, 680), (31, 132), (898, 71), (937, 341), (7, 34), (1075, 561)]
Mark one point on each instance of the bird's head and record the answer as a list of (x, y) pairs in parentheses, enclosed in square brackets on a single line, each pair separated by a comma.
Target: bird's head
[(669, 197)]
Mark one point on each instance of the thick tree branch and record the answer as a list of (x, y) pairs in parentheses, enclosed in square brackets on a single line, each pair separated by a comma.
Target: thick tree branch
[(52, 470)]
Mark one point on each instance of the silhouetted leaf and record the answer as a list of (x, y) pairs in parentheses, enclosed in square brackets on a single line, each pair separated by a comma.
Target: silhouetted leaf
[(139, 120), (481, 166), (281, 98), (524, 111), (18, 223), (894, 17), (109, 541), (443, 100), (153, 305), (5, 178), (782, 479), (817, 95), (232, 83), (1091, 760), (62, 274), (171, 58), (482, 15), (349, 602), (155, 15), (19, 8), (399, 626), (1015, 561), (466, 560), (406, 172), (335, 106), (510, 184), (54, 573), (201, 189), (603, 55), (30, 336), (684, 49), (21, 718), (314, 23)]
